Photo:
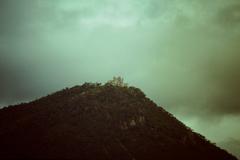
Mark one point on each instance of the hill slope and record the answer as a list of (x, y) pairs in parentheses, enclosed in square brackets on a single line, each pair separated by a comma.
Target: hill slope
[(96, 121)]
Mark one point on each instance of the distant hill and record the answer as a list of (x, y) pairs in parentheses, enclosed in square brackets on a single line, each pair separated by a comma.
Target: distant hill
[(99, 122)]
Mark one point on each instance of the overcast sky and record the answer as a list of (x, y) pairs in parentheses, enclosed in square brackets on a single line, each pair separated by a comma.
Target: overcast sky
[(183, 54)]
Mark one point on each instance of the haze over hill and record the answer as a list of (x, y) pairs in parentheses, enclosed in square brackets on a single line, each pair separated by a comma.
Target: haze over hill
[(94, 121)]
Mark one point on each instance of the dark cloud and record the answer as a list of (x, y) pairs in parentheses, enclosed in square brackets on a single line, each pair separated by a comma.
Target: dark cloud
[(197, 64), (13, 16), (199, 74), (184, 55), (224, 74), (13, 83), (229, 16)]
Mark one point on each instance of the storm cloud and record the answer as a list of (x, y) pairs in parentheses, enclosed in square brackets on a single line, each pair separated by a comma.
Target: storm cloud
[(183, 54)]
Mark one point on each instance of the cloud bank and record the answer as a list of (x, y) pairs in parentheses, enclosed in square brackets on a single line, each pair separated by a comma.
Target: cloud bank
[(183, 54)]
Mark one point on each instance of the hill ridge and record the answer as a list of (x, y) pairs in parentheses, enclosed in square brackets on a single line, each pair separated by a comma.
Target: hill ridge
[(95, 121)]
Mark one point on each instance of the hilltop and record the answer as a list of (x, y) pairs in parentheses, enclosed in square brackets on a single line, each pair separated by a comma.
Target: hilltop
[(95, 121)]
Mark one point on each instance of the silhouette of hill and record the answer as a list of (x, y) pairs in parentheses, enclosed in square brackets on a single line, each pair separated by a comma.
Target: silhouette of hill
[(94, 121)]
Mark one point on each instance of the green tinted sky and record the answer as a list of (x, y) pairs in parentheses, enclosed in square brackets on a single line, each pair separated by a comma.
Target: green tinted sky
[(183, 54)]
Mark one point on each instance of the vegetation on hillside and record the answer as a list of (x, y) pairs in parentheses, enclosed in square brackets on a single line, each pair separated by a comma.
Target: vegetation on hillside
[(99, 121)]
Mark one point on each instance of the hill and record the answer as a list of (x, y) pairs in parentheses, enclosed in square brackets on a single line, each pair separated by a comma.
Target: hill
[(94, 121)]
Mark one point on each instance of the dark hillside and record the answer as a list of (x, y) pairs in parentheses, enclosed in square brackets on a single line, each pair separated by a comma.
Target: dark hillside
[(95, 121)]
